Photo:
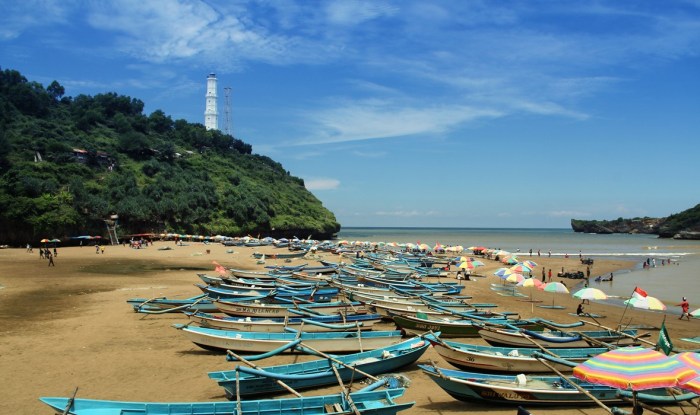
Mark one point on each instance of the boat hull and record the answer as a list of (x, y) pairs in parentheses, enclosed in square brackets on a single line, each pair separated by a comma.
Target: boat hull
[(332, 342), (533, 390), (374, 362), (367, 403)]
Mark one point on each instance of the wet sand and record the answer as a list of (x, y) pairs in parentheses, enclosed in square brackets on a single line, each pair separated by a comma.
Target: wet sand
[(69, 326)]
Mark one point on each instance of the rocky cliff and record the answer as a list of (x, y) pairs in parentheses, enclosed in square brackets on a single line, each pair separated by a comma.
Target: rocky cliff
[(683, 225)]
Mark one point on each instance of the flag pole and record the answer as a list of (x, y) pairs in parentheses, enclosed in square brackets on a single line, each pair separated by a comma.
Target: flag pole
[(627, 304)]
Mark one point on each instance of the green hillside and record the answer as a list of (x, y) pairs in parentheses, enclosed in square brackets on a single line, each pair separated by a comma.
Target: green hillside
[(67, 163)]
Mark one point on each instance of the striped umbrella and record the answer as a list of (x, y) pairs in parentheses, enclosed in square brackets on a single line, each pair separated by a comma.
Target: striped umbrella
[(590, 294), (554, 287), (692, 360), (646, 303), (635, 368)]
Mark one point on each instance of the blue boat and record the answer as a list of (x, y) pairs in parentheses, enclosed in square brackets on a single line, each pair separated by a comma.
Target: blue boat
[(256, 342), (319, 372), (160, 305), (335, 322), (319, 295), (376, 402), (538, 390)]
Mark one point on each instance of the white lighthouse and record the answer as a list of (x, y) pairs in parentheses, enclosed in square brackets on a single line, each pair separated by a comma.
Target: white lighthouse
[(211, 115)]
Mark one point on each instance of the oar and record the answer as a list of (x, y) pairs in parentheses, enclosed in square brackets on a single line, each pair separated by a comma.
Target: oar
[(544, 349), (622, 333), (66, 411), (138, 307), (254, 366), (345, 392), (333, 359), (575, 385)]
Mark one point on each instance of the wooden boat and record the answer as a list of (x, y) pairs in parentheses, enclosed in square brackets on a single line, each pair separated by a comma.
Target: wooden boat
[(280, 255), (279, 325), (507, 359), (261, 309), (252, 342), (536, 390), (375, 402), (456, 327), (556, 338), (318, 295), (159, 305), (316, 373)]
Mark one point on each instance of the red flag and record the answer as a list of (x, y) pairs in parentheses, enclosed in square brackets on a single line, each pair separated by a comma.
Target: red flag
[(639, 293)]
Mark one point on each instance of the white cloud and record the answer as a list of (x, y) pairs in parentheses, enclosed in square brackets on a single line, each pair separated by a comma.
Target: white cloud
[(321, 184), (375, 119), (355, 12)]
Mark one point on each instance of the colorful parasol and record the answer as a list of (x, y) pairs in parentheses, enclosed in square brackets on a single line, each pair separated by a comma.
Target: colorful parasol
[(635, 368), (555, 287), (590, 294), (646, 303), (520, 268), (692, 360)]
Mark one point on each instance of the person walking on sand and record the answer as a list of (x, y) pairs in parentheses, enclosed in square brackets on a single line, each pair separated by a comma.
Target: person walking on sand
[(684, 309), (51, 264)]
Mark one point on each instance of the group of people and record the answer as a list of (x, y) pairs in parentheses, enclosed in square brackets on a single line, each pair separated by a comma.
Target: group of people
[(45, 253)]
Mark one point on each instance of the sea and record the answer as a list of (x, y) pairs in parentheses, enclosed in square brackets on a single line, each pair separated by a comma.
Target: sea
[(669, 283)]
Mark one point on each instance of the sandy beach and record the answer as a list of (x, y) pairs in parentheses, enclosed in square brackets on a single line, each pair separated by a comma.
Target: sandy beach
[(69, 326)]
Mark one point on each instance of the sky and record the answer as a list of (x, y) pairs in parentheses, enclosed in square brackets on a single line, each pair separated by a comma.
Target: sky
[(410, 113)]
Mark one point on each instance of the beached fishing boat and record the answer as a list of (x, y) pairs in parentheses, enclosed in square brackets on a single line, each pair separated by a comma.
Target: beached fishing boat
[(507, 359), (280, 324), (557, 338), (280, 255), (314, 373), (374, 402), (252, 342), (537, 390), (159, 305), (457, 327), (292, 309), (313, 294)]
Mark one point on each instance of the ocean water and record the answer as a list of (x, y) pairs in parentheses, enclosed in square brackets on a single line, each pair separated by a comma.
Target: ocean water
[(668, 283)]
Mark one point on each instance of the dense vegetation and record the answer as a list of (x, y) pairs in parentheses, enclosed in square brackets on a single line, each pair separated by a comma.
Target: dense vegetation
[(684, 225), (68, 163)]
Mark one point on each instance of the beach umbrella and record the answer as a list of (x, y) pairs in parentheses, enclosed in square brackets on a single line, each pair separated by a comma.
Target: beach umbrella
[(521, 268), (514, 277), (44, 241), (692, 360), (646, 303), (530, 264), (501, 271), (634, 368), (555, 288), (530, 282), (590, 294)]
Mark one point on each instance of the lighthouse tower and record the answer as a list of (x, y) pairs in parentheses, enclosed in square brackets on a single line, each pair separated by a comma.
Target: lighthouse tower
[(211, 116)]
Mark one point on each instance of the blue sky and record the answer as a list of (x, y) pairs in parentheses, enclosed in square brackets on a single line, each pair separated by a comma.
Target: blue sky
[(411, 113)]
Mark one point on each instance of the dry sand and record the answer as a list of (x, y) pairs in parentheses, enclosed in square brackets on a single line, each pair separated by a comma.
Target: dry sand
[(69, 326)]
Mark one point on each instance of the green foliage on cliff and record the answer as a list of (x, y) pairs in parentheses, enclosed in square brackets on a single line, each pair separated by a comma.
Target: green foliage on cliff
[(67, 163), (686, 221)]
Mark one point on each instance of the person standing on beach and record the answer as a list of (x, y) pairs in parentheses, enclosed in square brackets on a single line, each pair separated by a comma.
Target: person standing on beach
[(684, 309), (51, 264), (550, 275)]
